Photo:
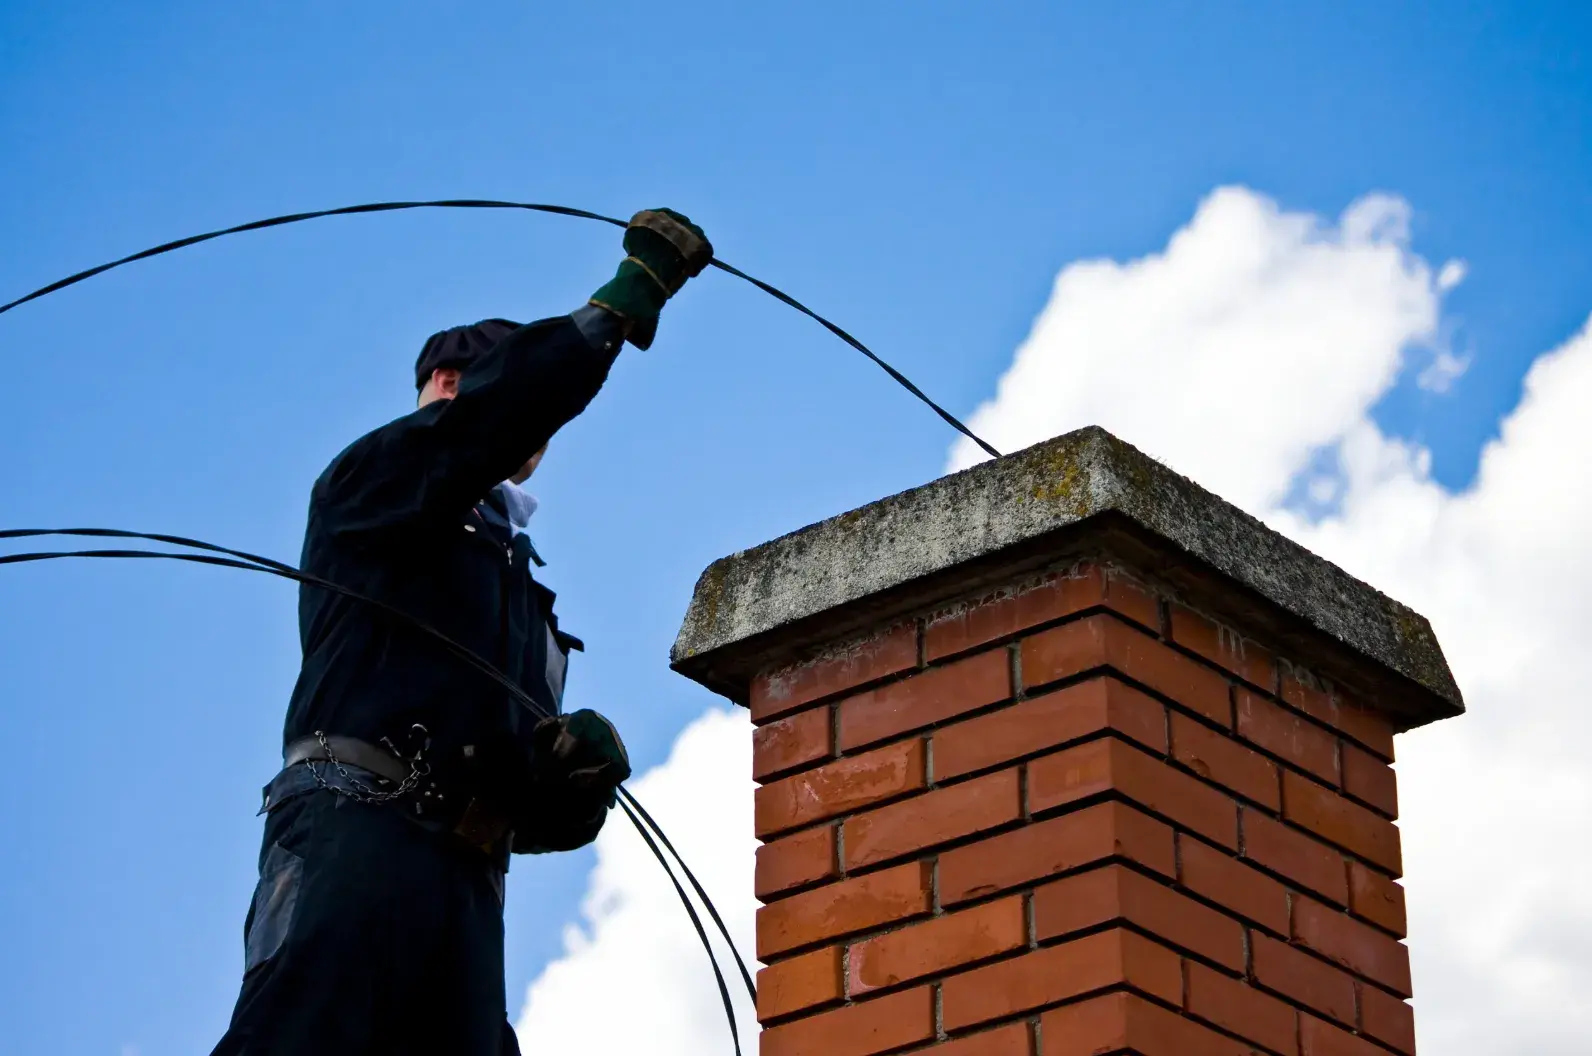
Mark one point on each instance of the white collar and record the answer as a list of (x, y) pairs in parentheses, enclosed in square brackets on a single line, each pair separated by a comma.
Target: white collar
[(520, 504)]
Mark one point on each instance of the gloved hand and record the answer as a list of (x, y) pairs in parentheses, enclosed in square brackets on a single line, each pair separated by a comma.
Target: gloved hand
[(581, 752), (665, 249), (580, 762)]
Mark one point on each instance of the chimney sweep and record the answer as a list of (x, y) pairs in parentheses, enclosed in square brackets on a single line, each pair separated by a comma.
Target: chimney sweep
[(409, 777)]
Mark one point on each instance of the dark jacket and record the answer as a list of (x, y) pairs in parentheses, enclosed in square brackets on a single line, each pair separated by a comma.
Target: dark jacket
[(399, 516)]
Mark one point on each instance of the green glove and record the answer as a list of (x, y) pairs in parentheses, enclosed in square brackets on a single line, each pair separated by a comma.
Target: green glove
[(581, 752), (665, 249)]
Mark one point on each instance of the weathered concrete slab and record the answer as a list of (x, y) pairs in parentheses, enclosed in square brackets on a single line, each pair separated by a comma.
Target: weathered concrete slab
[(906, 548)]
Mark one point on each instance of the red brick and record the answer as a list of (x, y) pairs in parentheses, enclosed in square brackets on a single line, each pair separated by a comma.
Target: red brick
[(1008, 611), (1294, 855), (1229, 1004), (840, 787), (1132, 600), (1341, 821), (1300, 690), (1358, 947), (925, 698), (1055, 973), (1217, 757), (1317, 1037), (1377, 899), (1370, 780), (926, 821), (802, 982), (845, 908), (880, 656), (1104, 641), (1124, 1023), (880, 1025), (1295, 974), (1387, 1019), (936, 946), (1110, 765), (1287, 736), (791, 742), (1228, 882), (794, 861), (1221, 645), (1060, 845), (1048, 721), (1115, 893), (1014, 1039), (1370, 729)]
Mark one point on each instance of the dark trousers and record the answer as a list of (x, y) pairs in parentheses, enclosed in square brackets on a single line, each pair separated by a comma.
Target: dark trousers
[(368, 936)]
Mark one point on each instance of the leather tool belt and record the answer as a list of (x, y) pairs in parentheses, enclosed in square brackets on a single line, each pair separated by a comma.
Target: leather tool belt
[(475, 821), (349, 750)]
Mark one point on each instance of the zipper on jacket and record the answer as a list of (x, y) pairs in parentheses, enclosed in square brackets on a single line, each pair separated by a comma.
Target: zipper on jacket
[(506, 594)]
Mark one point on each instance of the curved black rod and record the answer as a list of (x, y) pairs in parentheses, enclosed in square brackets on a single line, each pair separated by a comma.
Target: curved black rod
[(257, 563), (293, 218), (289, 572), (746, 976), (696, 921), (487, 203), (226, 557)]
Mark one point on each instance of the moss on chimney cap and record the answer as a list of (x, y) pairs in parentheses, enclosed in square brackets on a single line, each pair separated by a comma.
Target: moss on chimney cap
[(760, 605)]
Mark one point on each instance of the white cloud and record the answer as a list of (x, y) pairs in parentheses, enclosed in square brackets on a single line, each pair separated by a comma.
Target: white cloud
[(636, 939), (1255, 340), (1440, 374), (1252, 340), (1497, 806), (1247, 355)]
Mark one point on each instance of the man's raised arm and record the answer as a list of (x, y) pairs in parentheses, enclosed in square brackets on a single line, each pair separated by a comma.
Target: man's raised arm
[(487, 409)]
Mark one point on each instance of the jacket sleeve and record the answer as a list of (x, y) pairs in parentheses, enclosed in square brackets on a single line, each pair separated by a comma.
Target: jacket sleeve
[(430, 467)]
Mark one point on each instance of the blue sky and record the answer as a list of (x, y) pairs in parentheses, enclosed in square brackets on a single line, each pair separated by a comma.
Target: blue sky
[(918, 174)]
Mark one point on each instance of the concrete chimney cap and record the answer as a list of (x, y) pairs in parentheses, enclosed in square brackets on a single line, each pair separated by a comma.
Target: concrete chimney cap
[(1081, 492)]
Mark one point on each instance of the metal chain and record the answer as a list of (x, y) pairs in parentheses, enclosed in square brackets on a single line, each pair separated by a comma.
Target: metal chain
[(360, 792)]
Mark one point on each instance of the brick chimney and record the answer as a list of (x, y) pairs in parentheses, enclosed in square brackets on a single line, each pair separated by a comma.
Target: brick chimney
[(1063, 755)]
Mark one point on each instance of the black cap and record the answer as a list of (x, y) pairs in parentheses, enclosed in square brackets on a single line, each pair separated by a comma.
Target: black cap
[(460, 346)]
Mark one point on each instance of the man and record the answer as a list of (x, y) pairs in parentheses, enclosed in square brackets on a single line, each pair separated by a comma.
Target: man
[(410, 777)]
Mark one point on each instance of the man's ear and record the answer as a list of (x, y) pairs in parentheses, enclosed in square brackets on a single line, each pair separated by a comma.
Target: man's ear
[(442, 385), (445, 382)]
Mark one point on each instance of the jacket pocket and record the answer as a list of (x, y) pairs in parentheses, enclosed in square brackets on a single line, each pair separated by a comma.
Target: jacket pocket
[(275, 899)]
